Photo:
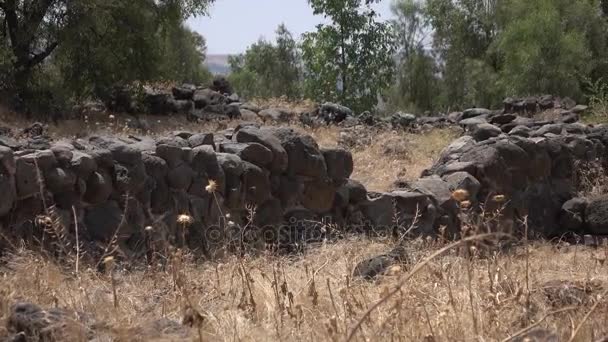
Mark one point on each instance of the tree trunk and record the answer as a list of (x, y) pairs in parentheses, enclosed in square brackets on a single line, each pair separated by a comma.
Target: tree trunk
[(343, 65)]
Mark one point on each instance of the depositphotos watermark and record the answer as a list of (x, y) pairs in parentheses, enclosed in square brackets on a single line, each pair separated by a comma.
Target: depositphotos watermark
[(297, 231)]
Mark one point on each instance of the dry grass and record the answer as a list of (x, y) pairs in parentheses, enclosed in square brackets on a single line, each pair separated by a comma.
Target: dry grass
[(313, 297), (391, 155)]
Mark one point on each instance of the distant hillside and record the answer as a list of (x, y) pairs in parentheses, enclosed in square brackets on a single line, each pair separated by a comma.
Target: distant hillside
[(218, 64)]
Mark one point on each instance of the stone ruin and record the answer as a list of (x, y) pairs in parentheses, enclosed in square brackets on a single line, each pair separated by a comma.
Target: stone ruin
[(279, 181), (287, 190)]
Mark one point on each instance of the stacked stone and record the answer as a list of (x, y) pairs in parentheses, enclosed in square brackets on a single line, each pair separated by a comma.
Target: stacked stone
[(273, 179)]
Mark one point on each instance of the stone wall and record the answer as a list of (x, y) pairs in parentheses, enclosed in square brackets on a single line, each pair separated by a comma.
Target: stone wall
[(527, 175), (262, 180), (275, 185)]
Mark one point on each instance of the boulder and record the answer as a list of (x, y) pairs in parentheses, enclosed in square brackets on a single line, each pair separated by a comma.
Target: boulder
[(98, 187), (233, 111), (104, 220), (551, 128), (317, 195), (199, 139), (156, 167), (572, 215), (180, 177), (82, 164), (485, 131), (304, 156), (334, 113), (463, 181), (7, 161), (233, 169), (204, 161), (184, 92), (339, 163), (356, 191), (408, 208), (579, 109), (29, 322), (249, 115), (473, 122), (9, 193), (158, 102), (27, 177), (474, 112), (502, 119), (267, 139), (204, 98), (521, 131), (254, 153), (221, 85), (256, 184), (369, 269), (250, 107), (402, 120), (172, 153), (596, 216), (63, 153), (59, 180)]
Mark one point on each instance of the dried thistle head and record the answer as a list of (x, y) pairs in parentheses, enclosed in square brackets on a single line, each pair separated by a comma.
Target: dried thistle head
[(185, 219), (499, 198), (465, 204), (211, 187), (109, 262), (460, 195), (43, 221)]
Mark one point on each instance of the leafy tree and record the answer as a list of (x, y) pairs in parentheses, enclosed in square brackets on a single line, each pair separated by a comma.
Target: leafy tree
[(349, 60), (37, 28), (463, 33), (183, 53), (417, 82), (288, 70), (546, 45), (267, 69)]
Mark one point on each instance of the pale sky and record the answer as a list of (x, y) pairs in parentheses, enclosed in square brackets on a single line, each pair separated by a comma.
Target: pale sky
[(235, 24)]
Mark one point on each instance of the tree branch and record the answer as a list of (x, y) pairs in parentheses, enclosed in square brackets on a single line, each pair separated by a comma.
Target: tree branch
[(38, 58), (12, 21)]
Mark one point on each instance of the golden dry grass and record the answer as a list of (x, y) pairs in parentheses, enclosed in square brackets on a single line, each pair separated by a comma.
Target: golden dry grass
[(313, 298), (391, 155)]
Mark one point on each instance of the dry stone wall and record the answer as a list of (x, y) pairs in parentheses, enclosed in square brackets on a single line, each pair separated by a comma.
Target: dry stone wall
[(275, 185), (273, 182)]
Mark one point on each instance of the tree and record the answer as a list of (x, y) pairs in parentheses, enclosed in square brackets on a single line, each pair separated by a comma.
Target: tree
[(417, 82), (547, 45), (183, 53), (349, 60), (463, 33), (267, 69), (287, 70), (36, 28)]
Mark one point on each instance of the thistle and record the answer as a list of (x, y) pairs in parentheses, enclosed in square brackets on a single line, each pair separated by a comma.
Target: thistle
[(211, 187), (460, 195)]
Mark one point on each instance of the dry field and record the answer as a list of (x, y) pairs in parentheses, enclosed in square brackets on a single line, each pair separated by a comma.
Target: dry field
[(312, 297)]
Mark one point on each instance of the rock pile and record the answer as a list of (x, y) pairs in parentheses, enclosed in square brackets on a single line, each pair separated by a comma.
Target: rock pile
[(534, 173), (532, 112), (276, 178), (196, 102)]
